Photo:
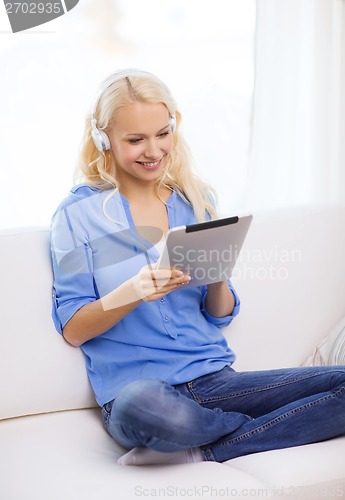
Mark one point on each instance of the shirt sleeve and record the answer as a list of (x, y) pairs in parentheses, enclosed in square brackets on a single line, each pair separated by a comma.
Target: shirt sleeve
[(73, 281), (225, 320)]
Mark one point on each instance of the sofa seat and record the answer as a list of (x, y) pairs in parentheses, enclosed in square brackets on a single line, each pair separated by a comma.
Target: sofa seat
[(54, 456), (303, 472), (69, 456)]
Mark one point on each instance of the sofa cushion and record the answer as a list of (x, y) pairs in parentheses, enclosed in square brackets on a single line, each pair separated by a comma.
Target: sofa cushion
[(39, 371), (69, 456), (293, 470)]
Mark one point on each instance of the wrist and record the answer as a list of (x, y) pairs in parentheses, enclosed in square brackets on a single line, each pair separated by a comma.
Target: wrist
[(218, 285), (219, 300), (123, 296)]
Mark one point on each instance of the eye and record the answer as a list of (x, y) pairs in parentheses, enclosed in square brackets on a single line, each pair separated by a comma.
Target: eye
[(134, 141), (164, 134)]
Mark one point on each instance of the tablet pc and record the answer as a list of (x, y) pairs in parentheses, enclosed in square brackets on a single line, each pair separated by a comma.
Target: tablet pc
[(206, 251)]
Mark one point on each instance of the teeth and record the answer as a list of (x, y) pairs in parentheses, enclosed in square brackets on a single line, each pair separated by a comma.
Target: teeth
[(150, 164)]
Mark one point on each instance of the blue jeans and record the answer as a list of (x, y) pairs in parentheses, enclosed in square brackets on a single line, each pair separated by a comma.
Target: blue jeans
[(228, 414)]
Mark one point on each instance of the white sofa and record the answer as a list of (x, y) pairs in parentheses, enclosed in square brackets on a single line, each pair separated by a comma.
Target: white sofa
[(291, 280)]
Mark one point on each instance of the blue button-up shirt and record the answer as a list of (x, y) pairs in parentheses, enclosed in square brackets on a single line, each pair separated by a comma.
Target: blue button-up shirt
[(95, 249)]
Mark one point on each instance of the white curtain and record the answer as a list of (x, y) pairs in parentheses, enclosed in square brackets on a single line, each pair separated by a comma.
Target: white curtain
[(297, 152)]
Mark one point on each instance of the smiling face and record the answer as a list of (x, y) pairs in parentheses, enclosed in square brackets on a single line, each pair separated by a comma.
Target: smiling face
[(141, 138)]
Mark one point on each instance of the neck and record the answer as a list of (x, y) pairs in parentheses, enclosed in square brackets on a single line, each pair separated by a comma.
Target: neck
[(147, 192)]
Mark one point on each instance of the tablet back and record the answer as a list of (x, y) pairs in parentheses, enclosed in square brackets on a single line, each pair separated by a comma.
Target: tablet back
[(207, 251)]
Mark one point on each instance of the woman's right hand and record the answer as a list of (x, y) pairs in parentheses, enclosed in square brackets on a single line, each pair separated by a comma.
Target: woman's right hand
[(151, 283)]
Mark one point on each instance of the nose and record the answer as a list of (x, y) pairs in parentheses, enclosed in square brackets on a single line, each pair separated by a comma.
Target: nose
[(152, 150)]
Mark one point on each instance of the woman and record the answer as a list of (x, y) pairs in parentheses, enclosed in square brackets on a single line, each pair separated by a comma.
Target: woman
[(156, 358)]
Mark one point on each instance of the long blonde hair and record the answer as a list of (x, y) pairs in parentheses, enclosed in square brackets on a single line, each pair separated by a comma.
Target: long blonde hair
[(100, 169)]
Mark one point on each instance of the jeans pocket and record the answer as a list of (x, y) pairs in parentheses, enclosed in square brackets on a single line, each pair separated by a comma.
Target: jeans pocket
[(213, 386)]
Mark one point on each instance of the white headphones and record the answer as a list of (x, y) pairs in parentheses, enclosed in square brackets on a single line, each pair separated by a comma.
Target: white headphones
[(100, 138)]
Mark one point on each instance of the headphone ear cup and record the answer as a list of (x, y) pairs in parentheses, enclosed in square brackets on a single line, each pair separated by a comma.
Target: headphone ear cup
[(100, 139), (105, 140), (173, 123)]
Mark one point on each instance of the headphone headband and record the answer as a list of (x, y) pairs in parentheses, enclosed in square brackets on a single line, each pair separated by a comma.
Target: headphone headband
[(100, 138)]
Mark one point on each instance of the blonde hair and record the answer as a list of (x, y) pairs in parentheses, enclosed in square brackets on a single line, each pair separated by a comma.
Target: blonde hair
[(100, 169)]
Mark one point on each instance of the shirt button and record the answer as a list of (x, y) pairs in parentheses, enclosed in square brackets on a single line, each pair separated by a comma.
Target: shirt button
[(166, 318), (162, 300)]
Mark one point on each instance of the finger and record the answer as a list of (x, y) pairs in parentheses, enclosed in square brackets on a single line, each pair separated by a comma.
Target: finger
[(161, 277), (172, 285), (166, 273)]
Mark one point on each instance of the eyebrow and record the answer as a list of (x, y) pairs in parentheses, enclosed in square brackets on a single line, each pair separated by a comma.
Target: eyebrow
[(161, 130)]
